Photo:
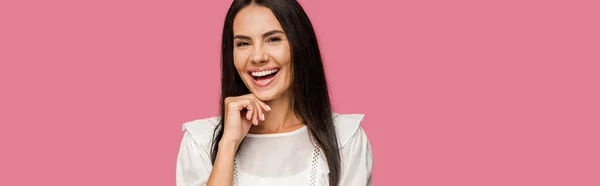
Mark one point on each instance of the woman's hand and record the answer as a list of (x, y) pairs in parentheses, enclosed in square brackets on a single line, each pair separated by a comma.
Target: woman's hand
[(241, 113)]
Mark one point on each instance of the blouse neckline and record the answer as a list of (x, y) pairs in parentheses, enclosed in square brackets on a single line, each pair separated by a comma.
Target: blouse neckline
[(301, 129)]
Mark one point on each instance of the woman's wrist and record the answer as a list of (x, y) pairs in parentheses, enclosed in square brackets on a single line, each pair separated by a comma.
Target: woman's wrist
[(228, 146)]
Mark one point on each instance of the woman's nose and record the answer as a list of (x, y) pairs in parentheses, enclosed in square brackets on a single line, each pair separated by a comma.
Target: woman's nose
[(259, 56)]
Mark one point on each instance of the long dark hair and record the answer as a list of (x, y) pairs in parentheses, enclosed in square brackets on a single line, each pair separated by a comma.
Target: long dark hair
[(308, 85)]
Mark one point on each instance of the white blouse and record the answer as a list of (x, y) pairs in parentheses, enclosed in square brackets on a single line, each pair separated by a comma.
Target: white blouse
[(289, 158)]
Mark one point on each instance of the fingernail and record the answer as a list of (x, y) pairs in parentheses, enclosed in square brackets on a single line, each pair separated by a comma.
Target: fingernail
[(262, 117), (268, 108)]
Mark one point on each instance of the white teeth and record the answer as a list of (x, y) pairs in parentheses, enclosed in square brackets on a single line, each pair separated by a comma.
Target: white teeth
[(263, 73)]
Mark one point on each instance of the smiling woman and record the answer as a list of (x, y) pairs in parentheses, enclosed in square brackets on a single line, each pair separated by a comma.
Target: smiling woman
[(276, 125)]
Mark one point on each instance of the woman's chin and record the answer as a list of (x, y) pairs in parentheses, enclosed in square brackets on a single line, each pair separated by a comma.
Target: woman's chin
[(265, 95)]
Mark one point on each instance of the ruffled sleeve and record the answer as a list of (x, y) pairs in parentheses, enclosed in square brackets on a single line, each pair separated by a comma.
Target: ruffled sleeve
[(193, 161), (355, 151)]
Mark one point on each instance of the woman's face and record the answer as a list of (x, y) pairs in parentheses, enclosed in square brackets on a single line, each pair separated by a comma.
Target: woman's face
[(261, 52)]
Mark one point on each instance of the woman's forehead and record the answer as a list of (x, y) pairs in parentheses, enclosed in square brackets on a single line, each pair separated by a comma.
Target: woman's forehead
[(255, 20)]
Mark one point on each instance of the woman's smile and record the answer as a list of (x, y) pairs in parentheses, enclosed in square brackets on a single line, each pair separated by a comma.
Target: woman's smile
[(263, 78)]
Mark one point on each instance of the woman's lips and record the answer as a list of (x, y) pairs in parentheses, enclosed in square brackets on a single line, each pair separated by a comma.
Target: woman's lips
[(264, 82)]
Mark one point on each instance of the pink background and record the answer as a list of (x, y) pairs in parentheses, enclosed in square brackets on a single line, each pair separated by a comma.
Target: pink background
[(461, 92)]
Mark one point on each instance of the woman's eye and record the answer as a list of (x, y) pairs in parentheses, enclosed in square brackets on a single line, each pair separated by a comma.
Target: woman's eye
[(274, 39), (241, 44)]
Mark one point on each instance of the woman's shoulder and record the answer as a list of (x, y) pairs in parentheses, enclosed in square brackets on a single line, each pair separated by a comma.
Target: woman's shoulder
[(201, 130), (347, 126)]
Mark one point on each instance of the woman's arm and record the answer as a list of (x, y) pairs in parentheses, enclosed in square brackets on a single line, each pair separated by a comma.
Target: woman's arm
[(236, 127), (222, 172)]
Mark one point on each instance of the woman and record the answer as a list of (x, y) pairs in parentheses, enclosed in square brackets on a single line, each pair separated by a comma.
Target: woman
[(276, 125)]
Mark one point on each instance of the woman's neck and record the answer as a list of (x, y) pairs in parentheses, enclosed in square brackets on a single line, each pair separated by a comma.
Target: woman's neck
[(281, 118)]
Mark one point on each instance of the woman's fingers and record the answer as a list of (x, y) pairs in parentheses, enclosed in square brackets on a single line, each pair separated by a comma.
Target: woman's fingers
[(260, 114), (255, 111), (262, 104), (254, 108), (249, 115), (247, 104)]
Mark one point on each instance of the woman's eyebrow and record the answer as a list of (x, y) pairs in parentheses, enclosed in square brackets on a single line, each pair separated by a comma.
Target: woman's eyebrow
[(269, 33), (266, 34), (241, 37)]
